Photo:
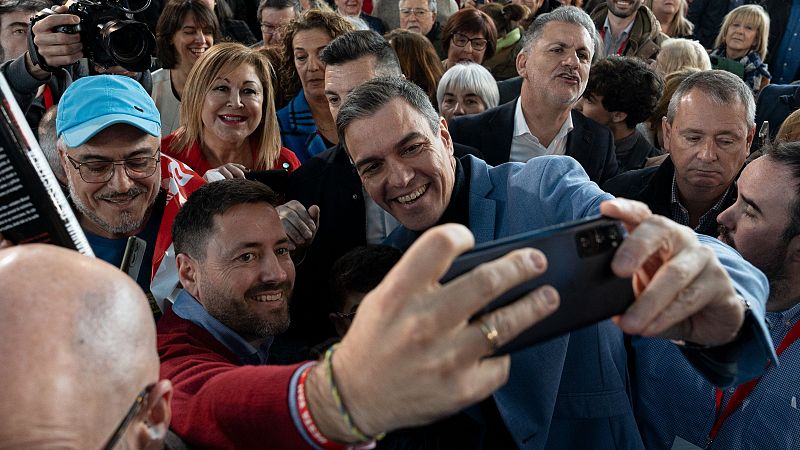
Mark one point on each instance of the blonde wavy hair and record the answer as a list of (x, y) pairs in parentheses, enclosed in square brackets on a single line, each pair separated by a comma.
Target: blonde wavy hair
[(748, 14), (681, 26), (217, 62)]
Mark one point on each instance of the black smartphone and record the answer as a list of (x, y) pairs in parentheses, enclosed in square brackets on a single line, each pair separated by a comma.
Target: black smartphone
[(579, 258)]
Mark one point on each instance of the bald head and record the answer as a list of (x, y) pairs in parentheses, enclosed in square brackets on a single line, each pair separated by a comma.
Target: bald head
[(78, 341)]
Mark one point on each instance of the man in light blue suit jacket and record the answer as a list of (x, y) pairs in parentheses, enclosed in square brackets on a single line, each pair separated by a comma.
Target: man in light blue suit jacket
[(572, 391)]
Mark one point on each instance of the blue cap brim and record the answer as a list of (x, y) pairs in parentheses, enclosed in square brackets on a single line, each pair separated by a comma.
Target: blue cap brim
[(78, 135)]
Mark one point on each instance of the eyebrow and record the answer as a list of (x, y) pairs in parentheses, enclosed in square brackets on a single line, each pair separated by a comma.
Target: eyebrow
[(401, 143), (133, 154), (751, 203)]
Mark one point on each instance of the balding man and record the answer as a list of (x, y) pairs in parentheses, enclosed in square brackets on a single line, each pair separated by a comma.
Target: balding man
[(80, 365)]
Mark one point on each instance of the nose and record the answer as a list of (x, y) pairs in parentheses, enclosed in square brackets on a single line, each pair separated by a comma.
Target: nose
[(570, 59), (199, 37), (271, 270), (314, 63), (459, 109), (708, 151), (725, 218), (120, 181), (400, 175), (234, 99)]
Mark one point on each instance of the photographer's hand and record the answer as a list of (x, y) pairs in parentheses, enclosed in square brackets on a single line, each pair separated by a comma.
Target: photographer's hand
[(57, 49)]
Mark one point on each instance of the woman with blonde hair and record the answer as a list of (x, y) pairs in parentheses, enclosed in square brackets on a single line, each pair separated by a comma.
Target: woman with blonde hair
[(679, 53), (228, 115), (741, 45), (671, 14), (651, 128)]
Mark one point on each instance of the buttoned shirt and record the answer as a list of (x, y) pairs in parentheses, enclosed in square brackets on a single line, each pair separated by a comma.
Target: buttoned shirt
[(524, 145), (188, 308), (615, 45), (674, 403), (380, 223), (708, 221)]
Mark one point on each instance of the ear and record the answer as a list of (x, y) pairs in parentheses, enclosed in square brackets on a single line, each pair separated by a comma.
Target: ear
[(187, 273), (666, 131), (750, 136), (151, 431), (522, 61), (447, 140), (62, 158), (618, 116)]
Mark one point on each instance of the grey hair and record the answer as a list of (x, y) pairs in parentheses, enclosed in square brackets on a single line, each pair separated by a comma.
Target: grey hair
[(373, 95), (723, 88), (564, 14), (47, 142), (279, 4), (472, 77), (431, 5)]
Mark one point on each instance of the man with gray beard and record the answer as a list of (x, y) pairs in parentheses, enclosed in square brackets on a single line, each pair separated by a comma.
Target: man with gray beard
[(109, 133)]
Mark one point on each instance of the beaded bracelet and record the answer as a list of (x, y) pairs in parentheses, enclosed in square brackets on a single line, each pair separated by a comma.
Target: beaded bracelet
[(348, 421)]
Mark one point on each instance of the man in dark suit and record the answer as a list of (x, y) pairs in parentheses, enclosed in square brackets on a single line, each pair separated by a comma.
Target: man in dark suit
[(708, 131), (554, 66)]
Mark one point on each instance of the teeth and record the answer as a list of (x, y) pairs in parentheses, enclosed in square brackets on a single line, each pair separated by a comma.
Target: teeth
[(408, 198), (197, 51), (268, 297), (233, 118)]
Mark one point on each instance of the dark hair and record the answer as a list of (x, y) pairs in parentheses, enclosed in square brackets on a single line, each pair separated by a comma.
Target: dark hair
[(313, 19), (472, 21), (352, 46), (9, 6), (373, 95), (627, 85), (279, 4), (170, 22), (361, 270), (194, 223), (788, 154), (418, 59), (505, 16)]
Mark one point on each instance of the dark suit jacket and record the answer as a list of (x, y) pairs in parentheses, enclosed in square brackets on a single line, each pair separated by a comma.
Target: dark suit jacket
[(509, 89), (374, 23), (775, 103), (779, 12), (491, 132), (653, 186)]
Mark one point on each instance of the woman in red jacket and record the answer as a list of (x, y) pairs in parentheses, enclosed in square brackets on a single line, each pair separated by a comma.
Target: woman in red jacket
[(228, 116)]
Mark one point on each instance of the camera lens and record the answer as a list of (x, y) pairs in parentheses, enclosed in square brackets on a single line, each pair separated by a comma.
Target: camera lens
[(129, 43)]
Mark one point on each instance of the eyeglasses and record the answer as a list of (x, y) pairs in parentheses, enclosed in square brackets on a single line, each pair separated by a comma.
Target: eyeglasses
[(137, 406), (418, 12), (102, 171), (461, 40)]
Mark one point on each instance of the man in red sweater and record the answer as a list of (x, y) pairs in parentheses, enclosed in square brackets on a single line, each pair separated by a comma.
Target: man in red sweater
[(234, 264)]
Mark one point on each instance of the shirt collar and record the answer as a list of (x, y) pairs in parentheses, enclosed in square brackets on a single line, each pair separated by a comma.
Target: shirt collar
[(625, 32), (521, 126), (188, 308)]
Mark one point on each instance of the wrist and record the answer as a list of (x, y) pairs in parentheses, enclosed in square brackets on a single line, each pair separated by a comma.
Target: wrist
[(323, 408), (34, 70)]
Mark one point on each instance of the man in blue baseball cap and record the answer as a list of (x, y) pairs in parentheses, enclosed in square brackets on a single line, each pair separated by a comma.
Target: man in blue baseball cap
[(121, 186)]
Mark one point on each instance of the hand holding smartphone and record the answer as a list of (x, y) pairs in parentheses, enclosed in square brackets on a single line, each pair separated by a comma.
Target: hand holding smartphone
[(579, 258)]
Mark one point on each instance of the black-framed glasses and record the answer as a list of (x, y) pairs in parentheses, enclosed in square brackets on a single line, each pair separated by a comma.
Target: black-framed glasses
[(461, 40), (101, 171), (138, 404), (418, 12)]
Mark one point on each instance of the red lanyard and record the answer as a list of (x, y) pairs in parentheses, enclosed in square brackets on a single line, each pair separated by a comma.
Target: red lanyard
[(48, 97), (744, 390), (621, 45)]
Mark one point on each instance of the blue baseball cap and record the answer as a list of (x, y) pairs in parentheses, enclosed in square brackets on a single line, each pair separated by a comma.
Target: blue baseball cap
[(92, 104)]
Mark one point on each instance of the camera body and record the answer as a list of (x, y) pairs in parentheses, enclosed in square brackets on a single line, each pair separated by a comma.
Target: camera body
[(109, 35)]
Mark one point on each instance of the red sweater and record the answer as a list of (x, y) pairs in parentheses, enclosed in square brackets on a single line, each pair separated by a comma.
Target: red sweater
[(194, 157), (217, 402)]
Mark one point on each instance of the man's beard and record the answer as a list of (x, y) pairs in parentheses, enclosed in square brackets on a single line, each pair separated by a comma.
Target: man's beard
[(622, 14), (773, 269), (238, 317), (126, 224)]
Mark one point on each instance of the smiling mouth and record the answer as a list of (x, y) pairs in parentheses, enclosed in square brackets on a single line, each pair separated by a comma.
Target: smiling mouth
[(413, 196), (232, 119), (268, 297), (197, 51)]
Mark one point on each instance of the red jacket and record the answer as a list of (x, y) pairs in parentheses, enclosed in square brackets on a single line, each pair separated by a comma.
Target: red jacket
[(217, 402)]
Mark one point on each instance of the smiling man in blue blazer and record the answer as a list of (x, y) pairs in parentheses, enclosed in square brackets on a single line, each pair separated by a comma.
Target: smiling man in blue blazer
[(689, 288), (554, 66)]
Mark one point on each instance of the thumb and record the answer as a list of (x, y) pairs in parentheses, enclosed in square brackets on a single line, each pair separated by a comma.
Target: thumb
[(313, 211)]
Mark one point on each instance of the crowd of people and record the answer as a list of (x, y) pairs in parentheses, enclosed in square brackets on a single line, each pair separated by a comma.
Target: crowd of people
[(302, 195)]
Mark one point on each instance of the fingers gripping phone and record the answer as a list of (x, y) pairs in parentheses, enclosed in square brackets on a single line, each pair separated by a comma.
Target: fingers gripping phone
[(579, 258)]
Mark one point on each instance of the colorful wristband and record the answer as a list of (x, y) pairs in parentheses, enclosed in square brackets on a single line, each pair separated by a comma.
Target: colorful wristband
[(308, 420)]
